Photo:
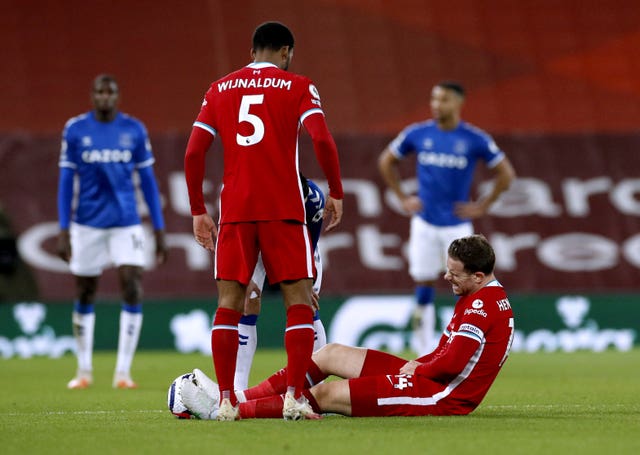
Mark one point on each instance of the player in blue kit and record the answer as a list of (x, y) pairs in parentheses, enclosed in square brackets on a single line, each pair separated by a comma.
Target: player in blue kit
[(447, 150), (100, 225), (247, 332)]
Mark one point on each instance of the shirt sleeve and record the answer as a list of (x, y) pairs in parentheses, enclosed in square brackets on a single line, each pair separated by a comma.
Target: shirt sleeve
[(65, 196), (194, 167), (451, 361), (149, 187), (326, 153), (143, 154)]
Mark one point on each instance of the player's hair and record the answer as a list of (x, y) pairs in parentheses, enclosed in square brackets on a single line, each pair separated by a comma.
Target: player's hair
[(475, 253), (104, 77), (273, 36), (453, 86)]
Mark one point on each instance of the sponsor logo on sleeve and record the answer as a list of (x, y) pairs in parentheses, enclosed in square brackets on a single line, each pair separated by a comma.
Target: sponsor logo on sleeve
[(472, 329)]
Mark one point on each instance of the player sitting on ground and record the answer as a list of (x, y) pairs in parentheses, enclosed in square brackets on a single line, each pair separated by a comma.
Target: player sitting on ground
[(452, 380)]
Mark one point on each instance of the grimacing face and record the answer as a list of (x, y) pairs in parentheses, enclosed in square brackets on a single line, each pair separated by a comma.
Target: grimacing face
[(445, 103), (462, 282)]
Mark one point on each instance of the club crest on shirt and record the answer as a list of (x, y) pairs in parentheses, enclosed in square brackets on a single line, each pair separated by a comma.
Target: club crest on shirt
[(477, 303), (460, 147), (125, 141), (86, 141), (427, 144)]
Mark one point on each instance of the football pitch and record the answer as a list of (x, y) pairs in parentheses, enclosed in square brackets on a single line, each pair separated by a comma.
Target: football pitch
[(547, 403)]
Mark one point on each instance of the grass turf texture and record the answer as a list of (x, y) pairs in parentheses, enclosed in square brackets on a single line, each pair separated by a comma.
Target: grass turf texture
[(540, 404)]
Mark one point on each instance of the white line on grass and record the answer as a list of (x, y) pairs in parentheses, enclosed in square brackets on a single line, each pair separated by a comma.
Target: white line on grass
[(114, 411)]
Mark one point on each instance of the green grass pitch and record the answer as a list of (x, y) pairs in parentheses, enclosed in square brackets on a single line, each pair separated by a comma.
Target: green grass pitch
[(580, 403)]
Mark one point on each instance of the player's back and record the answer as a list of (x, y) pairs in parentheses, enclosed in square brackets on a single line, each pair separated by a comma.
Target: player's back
[(257, 111)]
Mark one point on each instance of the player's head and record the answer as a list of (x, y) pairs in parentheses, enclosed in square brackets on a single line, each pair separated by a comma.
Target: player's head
[(105, 94), (470, 264), (274, 38), (447, 98)]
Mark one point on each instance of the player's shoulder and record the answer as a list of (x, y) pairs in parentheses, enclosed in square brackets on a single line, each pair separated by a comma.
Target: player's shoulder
[(77, 122), (129, 121), (419, 128), (473, 130), (493, 296), (421, 125)]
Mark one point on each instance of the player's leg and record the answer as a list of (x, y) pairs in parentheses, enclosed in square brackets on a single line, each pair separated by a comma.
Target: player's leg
[(233, 272), (425, 264), (247, 343), (131, 317), (89, 255), (127, 250), (333, 359), (247, 330), (320, 338), (224, 343), (320, 333), (83, 320), (288, 259)]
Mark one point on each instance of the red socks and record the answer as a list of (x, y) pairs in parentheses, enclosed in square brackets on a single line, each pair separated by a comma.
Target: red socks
[(298, 342), (224, 347), (271, 407), (277, 383)]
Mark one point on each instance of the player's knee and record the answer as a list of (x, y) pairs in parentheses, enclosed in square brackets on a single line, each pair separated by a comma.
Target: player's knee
[(323, 356), (86, 291), (132, 291)]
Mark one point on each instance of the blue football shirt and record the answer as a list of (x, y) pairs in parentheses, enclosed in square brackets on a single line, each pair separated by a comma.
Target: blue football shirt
[(445, 164), (104, 156)]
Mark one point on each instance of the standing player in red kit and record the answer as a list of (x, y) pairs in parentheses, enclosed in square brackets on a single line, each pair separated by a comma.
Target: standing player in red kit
[(257, 112), (452, 380)]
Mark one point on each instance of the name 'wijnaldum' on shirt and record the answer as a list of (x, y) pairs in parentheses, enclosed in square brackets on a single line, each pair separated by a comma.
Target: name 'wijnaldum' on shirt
[(260, 82)]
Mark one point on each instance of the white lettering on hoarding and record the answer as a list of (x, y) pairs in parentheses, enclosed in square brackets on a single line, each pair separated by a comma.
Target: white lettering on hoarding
[(380, 322)]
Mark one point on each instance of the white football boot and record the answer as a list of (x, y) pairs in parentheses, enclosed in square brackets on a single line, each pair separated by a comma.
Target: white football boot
[(197, 400), (299, 409), (123, 381), (82, 380), (209, 386)]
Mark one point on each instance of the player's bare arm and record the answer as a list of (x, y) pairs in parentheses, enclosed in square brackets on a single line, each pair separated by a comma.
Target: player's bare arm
[(504, 175), (162, 251), (64, 245), (388, 167)]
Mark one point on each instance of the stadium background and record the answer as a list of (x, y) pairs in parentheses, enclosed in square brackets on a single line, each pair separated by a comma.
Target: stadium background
[(555, 82)]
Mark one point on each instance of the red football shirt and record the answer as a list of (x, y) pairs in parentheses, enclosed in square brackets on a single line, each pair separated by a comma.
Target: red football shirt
[(257, 112), (487, 318)]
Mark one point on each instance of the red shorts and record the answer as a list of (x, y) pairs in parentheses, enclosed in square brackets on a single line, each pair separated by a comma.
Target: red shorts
[(286, 250), (381, 391)]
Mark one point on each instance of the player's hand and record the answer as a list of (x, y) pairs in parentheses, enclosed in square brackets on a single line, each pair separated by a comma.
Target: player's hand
[(315, 301), (470, 210), (410, 367), (63, 249), (205, 231), (411, 204), (162, 251), (332, 211)]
